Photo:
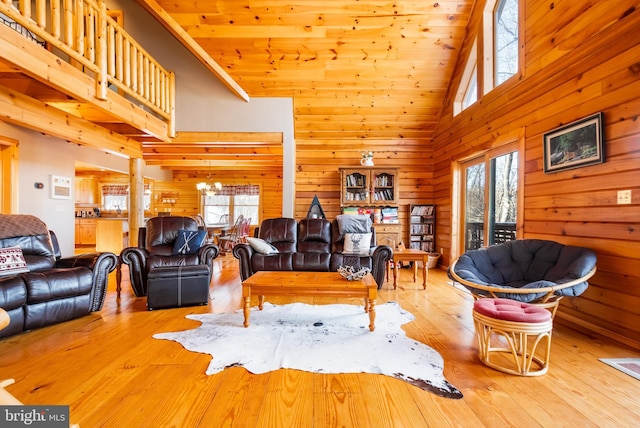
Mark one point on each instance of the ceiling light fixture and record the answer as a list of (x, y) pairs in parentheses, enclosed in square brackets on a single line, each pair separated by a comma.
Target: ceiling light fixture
[(207, 188)]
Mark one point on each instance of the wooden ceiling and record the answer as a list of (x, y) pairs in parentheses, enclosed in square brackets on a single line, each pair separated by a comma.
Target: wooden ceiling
[(356, 69)]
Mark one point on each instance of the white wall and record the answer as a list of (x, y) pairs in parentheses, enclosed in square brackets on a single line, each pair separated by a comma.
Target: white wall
[(203, 103), (40, 157)]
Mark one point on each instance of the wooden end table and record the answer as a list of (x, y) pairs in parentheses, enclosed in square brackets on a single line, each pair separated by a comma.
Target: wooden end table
[(289, 283), (411, 255)]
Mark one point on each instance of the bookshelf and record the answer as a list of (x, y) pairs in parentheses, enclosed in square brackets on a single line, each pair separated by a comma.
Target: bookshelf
[(422, 224), (369, 187), (373, 191)]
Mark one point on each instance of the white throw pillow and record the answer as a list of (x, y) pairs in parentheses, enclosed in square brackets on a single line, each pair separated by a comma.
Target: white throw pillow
[(261, 246), (357, 243), (12, 261)]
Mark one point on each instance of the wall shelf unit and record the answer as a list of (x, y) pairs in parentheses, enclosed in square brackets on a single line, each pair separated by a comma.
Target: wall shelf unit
[(422, 225), (370, 189)]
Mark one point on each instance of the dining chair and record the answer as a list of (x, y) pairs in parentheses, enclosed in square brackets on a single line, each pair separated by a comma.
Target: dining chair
[(228, 241)]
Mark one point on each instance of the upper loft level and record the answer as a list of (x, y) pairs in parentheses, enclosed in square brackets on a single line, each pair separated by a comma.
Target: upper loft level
[(71, 59)]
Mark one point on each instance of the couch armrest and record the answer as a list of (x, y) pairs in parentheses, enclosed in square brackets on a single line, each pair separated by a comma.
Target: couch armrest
[(136, 259), (207, 253), (243, 253), (381, 255), (101, 265)]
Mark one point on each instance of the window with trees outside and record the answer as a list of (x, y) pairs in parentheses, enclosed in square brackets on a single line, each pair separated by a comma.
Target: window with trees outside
[(505, 40), (467, 93), (233, 201), (490, 189)]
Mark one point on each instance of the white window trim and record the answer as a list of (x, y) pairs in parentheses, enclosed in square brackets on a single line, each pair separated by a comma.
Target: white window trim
[(470, 67)]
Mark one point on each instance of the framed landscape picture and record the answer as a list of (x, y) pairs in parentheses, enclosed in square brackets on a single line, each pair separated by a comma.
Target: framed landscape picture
[(577, 144)]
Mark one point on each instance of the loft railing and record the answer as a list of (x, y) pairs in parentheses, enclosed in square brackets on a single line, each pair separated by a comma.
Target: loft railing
[(93, 41)]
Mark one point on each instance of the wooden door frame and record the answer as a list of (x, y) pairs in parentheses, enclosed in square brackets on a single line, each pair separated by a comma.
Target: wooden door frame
[(9, 172), (513, 141)]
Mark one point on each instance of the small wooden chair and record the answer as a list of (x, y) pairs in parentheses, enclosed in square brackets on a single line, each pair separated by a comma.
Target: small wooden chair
[(227, 242)]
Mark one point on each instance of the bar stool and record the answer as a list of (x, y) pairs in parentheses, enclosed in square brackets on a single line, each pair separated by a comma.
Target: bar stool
[(523, 326)]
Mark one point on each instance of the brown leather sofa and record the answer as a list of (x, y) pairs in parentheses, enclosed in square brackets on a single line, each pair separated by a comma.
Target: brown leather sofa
[(55, 289), (155, 249), (308, 245)]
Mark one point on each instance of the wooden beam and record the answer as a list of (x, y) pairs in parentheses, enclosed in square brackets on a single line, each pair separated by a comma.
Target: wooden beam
[(183, 37), (229, 137), (42, 65), (33, 114)]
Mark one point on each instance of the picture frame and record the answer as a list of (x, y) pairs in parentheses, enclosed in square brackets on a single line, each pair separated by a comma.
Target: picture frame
[(575, 145), (60, 187)]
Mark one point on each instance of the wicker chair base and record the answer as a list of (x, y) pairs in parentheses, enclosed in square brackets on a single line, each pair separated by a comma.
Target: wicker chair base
[(528, 345)]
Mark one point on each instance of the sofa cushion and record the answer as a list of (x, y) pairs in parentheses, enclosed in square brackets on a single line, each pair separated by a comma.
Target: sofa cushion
[(161, 233), (261, 246), (314, 235), (12, 261), (312, 262), (189, 241), (154, 261), (58, 284), (357, 243), (349, 223), (32, 236), (282, 233), (280, 261)]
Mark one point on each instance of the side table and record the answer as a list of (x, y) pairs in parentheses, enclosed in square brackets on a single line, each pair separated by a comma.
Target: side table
[(410, 255)]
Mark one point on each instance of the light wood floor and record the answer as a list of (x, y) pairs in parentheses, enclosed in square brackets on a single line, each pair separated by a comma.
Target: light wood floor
[(112, 373)]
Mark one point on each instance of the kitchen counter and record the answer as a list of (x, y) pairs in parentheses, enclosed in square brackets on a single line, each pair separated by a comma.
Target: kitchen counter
[(112, 234)]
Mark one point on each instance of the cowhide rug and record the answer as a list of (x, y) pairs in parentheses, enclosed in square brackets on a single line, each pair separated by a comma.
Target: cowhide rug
[(319, 339)]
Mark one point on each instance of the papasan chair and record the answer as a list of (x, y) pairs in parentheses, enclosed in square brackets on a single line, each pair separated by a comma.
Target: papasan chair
[(527, 270)]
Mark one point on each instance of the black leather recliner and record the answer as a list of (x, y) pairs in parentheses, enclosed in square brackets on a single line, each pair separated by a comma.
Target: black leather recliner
[(55, 289), (155, 250)]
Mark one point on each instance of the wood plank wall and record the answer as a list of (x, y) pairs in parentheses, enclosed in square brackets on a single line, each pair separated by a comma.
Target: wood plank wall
[(318, 163), (184, 183), (581, 57)]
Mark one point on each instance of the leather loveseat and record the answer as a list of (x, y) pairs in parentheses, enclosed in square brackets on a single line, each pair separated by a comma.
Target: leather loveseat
[(308, 245), (51, 289)]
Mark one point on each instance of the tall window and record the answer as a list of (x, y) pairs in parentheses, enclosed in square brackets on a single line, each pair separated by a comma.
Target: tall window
[(467, 93), (233, 201), (506, 40), (471, 94), (490, 199)]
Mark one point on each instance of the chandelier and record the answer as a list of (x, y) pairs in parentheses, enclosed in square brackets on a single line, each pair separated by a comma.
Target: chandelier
[(207, 188)]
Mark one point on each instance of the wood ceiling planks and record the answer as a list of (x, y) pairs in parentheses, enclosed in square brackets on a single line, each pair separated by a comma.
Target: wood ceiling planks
[(355, 69)]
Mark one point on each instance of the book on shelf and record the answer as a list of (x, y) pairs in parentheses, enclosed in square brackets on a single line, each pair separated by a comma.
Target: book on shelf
[(390, 215), (422, 210)]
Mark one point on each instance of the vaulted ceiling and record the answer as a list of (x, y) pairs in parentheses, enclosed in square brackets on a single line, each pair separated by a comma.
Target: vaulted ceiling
[(356, 69)]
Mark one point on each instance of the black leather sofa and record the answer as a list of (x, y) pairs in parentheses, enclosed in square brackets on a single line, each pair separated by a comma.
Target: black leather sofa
[(156, 242), (54, 289), (308, 245)]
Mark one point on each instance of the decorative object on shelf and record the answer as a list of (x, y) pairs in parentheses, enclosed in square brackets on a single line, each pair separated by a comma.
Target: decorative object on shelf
[(351, 274), (168, 197), (367, 159), (577, 144), (315, 209)]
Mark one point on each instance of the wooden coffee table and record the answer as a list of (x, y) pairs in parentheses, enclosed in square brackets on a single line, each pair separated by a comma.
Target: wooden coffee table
[(288, 283)]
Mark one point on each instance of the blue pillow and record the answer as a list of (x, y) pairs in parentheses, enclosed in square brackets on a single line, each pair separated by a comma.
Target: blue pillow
[(189, 242)]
